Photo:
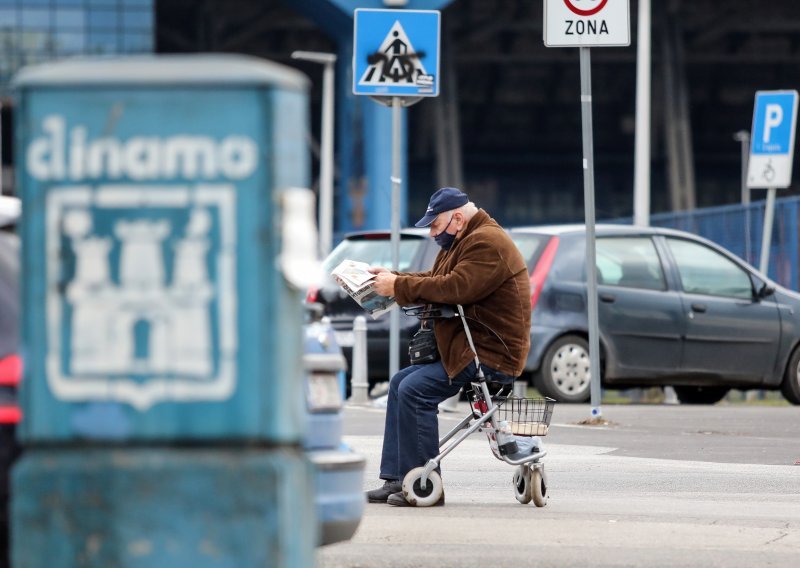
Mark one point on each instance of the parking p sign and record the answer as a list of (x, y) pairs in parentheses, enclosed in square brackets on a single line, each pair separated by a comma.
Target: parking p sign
[(772, 139)]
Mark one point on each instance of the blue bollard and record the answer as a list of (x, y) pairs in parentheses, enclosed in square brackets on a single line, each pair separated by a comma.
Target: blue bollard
[(162, 395)]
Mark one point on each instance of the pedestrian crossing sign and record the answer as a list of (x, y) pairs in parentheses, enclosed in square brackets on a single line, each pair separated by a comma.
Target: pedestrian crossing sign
[(396, 53)]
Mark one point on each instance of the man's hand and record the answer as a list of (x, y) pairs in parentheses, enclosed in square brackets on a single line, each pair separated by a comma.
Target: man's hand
[(384, 282), (377, 269)]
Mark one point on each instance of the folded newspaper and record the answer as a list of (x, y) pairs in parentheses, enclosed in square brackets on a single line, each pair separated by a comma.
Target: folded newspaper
[(355, 279)]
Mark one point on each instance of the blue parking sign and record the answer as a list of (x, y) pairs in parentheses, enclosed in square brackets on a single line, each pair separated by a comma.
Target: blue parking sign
[(772, 139), (396, 53)]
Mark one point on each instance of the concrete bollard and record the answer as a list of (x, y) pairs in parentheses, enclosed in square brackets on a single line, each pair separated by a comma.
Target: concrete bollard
[(520, 388), (358, 382), (670, 397)]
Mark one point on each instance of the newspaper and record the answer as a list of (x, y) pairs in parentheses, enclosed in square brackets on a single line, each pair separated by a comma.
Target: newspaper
[(357, 281)]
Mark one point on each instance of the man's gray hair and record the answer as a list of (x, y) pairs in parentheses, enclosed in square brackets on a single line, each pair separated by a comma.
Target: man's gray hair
[(468, 209)]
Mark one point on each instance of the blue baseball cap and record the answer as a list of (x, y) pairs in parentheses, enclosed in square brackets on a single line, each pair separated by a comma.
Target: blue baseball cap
[(445, 199)]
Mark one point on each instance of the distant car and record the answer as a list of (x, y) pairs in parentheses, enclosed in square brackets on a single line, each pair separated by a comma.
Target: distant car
[(417, 253), (338, 471), (674, 309)]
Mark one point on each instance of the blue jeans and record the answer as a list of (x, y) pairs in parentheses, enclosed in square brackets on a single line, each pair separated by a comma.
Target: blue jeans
[(411, 431)]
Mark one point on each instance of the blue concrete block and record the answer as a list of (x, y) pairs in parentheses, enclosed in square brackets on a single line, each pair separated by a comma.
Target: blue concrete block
[(172, 507)]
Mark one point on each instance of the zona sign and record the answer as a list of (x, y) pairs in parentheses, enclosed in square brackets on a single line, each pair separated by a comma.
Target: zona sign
[(587, 23)]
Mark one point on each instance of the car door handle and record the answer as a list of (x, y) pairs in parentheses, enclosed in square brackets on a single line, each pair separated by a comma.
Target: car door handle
[(696, 307), (608, 298)]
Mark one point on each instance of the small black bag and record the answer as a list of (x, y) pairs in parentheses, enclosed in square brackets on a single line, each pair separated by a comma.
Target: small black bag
[(422, 347)]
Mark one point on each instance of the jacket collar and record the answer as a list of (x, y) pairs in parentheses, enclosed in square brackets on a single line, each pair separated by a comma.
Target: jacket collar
[(477, 220)]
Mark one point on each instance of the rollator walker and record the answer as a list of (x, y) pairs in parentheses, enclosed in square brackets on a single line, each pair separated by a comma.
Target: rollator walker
[(512, 425)]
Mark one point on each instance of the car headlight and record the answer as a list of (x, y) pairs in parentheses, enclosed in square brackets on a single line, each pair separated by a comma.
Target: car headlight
[(323, 388), (323, 392)]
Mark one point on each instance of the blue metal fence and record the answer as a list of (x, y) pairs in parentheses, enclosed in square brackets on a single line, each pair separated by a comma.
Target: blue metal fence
[(739, 229)]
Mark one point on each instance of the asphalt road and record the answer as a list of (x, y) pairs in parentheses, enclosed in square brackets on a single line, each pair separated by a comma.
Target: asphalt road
[(659, 485)]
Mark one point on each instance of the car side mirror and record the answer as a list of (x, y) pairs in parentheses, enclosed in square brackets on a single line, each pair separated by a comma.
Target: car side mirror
[(765, 291)]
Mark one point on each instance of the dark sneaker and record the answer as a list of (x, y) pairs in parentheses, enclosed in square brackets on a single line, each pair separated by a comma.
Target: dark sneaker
[(399, 500), (382, 494)]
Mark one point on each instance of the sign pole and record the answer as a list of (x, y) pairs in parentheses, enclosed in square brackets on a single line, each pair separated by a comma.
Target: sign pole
[(394, 315), (588, 200), (766, 237)]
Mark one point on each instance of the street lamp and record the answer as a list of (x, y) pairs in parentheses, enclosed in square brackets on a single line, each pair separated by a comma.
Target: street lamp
[(326, 147)]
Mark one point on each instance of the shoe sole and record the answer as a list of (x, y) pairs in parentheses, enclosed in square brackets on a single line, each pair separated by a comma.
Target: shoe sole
[(405, 503)]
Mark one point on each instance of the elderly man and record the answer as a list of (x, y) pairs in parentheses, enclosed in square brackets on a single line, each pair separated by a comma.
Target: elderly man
[(480, 268)]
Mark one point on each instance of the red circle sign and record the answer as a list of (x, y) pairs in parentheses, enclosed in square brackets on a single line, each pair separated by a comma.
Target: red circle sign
[(585, 12)]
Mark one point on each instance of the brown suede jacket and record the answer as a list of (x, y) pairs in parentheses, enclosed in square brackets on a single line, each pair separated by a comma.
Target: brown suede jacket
[(485, 273)]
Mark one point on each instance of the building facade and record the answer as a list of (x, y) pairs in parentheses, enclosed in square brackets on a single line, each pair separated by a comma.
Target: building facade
[(37, 31)]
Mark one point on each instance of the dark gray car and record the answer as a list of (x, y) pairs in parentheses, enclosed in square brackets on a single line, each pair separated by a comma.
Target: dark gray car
[(674, 309), (10, 374), (417, 253)]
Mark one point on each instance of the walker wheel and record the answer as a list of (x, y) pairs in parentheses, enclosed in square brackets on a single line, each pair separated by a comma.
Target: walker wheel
[(539, 488), (415, 494), (522, 484)]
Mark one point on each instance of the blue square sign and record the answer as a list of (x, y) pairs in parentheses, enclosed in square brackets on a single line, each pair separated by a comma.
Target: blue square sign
[(396, 53), (772, 139)]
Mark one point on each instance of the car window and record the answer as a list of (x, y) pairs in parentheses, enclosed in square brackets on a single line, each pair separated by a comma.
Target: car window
[(374, 251), (705, 271), (530, 246), (629, 261), (570, 262)]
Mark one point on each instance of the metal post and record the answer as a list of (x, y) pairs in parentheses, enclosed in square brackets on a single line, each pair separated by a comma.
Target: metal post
[(359, 384), (588, 198), (326, 147), (641, 167), (769, 214), (394, 321), (326, 162), (743, 136)]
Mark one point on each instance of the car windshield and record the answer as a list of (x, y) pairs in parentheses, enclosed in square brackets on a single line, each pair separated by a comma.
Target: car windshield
[(374, 250)]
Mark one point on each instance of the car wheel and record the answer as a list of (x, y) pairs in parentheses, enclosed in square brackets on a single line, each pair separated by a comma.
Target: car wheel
[(565, 374), (700, 395), (790, 387)]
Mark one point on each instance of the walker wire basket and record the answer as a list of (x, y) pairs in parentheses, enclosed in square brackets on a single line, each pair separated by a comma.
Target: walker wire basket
[(527, 416)]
